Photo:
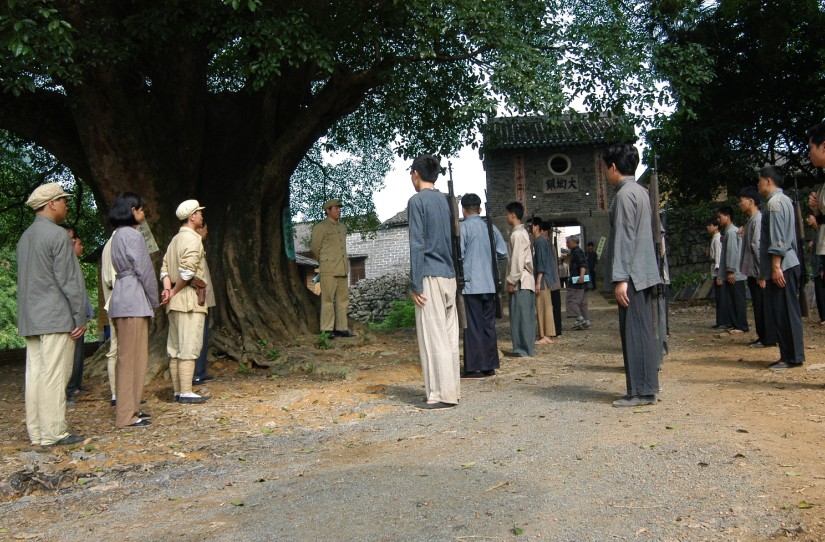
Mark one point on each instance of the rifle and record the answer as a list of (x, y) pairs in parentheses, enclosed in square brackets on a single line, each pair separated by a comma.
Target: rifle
[(800, 245), (660, 305), (492, 236), (458, 260)]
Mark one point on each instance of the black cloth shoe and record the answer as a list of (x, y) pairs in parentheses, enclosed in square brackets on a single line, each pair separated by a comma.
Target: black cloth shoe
[(473, 375), (435, 406), (782, 364), (144, 415), (140, 423), (113, 402), (757, 344), (491, 372), (192, 400), (345, 333), (71, 439), (330, 334), (636, 400)]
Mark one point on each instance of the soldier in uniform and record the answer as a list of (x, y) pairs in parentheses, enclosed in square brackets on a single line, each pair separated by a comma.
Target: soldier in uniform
[(329, 247)]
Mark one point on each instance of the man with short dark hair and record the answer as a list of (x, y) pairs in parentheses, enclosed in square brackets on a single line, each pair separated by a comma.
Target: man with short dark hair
[(520, 285), (329, 247), (816, 201), (781, 268), (480, 342), (433, 286), (546, 276), (730, 279), (51, 303), (635, 275), (750, 264), (73, 388), (715, 253)]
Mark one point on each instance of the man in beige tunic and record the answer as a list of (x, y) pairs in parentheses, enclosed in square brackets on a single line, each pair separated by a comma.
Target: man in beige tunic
[(183, 267), (329, 247)]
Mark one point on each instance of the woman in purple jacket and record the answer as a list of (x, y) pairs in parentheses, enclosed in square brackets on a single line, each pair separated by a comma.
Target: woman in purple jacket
[(134, 300)]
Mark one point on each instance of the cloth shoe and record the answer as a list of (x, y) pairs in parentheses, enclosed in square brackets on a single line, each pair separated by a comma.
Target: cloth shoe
[(636, 400)]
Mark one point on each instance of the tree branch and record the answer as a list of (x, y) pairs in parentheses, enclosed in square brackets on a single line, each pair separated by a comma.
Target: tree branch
[(44, 117)]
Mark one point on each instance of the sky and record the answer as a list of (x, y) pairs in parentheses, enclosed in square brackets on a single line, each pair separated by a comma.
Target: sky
[(468, 176)]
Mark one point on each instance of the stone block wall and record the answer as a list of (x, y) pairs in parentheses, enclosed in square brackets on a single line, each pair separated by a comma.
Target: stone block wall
[(388, 251)]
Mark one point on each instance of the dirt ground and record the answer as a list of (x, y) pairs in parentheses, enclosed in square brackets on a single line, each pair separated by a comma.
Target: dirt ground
[(719, 387)]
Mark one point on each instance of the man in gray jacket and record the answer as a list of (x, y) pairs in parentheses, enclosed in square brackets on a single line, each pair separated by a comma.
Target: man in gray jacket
[(51, 314), (730, 279), (635, 275)]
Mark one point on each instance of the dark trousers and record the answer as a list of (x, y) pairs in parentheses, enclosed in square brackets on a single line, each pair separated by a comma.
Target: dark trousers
[(77, 368), (555, 297), (200, 363), (735, 305), (719, 300), (641, 359), (480, 343), (819, 291), (762, 313), (788, 317)]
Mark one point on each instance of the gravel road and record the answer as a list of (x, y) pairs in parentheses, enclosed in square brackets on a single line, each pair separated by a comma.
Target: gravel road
[(535, 453)]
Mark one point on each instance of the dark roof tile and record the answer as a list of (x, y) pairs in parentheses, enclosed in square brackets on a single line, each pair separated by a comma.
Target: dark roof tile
[(543, 132)]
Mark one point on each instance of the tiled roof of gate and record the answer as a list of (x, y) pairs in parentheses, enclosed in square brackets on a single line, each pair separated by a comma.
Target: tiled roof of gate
[(543, 132), (400, 219)]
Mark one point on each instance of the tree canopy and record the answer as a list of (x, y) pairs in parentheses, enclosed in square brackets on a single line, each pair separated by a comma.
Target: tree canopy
[(222, 100), (767, 86)]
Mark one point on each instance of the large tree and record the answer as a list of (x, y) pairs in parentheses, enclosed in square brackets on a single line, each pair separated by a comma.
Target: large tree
[(766, 87), (221, 100)]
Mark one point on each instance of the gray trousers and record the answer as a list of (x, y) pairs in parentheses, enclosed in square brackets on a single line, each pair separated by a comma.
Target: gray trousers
[(641, 360), (577, 303), (523, 322)]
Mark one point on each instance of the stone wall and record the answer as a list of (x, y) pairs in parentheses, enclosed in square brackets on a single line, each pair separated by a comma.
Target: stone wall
[(371, 299), (387, 252)]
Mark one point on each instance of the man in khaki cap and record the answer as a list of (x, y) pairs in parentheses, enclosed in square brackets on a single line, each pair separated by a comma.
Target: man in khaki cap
[(329, 247), (182, 269), (51, 314)]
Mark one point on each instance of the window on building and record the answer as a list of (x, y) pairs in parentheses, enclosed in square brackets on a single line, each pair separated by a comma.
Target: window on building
[(559, 164), (357, 269)]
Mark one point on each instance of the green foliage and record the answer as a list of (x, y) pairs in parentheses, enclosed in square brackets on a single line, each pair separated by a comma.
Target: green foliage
[(402, 315), (8, 302), (323, 341), (681, 280), (766, 62), (352, 179)]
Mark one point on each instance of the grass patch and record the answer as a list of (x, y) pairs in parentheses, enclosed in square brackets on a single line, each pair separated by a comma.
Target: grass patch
[(402, 315)]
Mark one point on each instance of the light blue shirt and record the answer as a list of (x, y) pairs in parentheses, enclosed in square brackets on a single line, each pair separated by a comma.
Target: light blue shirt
[(477, 255)]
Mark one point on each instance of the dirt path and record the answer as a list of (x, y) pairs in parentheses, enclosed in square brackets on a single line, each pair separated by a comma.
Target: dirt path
[(336, 451)]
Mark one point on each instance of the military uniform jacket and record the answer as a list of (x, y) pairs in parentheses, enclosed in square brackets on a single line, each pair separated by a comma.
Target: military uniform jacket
[(329, 247), (185, 251), (51, 290)]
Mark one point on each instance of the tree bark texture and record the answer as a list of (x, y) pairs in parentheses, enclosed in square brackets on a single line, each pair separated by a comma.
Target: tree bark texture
[(169, 139)]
